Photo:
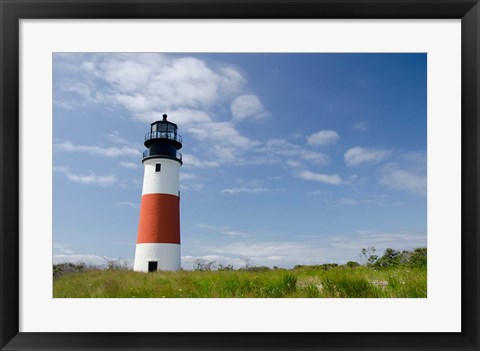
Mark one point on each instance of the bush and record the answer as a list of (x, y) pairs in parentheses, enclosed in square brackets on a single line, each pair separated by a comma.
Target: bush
[(258, 269), (203, 265), (227, 267), (328, 266), (390, 258), (418, 259), (67, 267)]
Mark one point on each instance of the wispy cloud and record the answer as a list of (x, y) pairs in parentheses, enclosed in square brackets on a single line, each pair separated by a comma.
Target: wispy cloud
[(349, 202), (254, 190), (248, 107), (187, 176), (90, 259), (278, 149), (134, 205), (323, 137), (192, 161), (91, 178), (359, 155), (224, 230), (187, 182), (192, 186), (68, 146), (360, 127), (61, 248), (131, 165), (318, 177), (399, 240), (115, 137), (62, 253), (395, 177), (313, 249), (189, 88)]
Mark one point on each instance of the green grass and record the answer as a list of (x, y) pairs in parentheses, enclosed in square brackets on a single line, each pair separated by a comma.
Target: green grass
[(303, 282)]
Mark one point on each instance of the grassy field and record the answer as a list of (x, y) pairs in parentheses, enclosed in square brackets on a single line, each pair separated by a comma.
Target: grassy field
[(303, 282)]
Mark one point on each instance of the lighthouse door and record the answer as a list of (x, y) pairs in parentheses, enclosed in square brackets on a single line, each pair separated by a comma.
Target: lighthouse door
[(152, 266)]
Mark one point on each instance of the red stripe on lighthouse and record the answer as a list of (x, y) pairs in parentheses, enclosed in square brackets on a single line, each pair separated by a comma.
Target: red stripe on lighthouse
[(159, 219)]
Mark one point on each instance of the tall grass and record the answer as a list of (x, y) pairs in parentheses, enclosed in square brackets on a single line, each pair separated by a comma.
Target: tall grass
[(303, 282)]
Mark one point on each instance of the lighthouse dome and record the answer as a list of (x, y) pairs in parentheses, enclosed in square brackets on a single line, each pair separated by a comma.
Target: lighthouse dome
[(163, 140)]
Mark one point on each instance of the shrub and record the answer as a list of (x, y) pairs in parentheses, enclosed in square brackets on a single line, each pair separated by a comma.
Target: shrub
[(203, 265), (227, 267), (328, 266), (258, 269), (391, 258), (418, 259), (67, 267), (369, 256)]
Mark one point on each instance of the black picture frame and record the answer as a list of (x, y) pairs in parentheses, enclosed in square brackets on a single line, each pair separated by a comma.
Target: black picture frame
[(11, 11)]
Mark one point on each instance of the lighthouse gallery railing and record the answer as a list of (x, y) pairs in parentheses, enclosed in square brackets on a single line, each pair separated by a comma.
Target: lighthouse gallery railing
[(146, 153), (164, 135)]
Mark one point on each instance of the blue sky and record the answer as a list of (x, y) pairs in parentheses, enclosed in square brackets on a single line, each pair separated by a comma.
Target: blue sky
[(288, 158)]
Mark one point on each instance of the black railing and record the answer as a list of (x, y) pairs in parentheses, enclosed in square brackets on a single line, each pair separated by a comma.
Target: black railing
[(164, 135), (147, 153)]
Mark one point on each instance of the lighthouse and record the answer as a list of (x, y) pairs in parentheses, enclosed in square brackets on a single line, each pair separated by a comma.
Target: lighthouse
[(158, 241)]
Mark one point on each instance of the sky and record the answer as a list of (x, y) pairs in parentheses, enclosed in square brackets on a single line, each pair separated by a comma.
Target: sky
[(287, 158)]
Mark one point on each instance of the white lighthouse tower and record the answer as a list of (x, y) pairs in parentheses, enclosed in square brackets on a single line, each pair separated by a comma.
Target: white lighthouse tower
[(158, 241)]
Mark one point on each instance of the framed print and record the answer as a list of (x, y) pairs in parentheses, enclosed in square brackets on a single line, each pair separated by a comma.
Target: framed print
[(308, 155)]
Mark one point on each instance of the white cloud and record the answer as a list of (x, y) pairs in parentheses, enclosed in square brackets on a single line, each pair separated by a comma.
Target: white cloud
[(129, 204), (192, 186), (186, 182), (308, 249), (189, 89), (62, 253), (349, 202), (358, 155), (224, 132), (360, 127), (114, 137), (402, 240), (323, 137), (61, 248), (186, 176), (90, 178), (318, 177), (401, 179), (192, 161), (253, 190), (248, 107), (78, 88), (131, 165), (277, 150), (224, 230), (97, 150), (149, 81), (294, 164), (90, 259)]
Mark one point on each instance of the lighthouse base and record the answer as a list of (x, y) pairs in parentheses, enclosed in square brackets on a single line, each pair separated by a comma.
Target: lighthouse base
[(152, 257)]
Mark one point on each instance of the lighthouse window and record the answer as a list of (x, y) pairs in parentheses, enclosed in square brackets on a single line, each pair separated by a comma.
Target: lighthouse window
[(158, 167)]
